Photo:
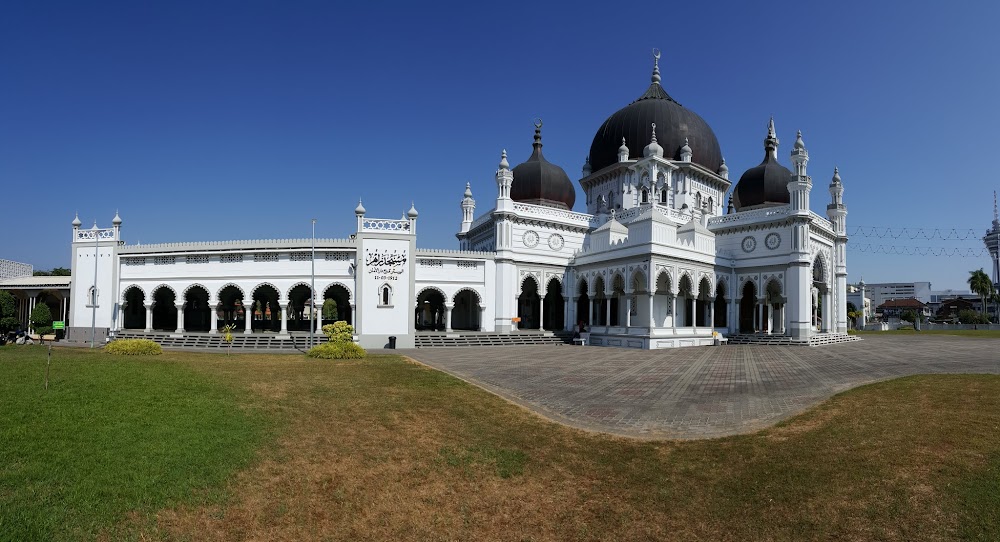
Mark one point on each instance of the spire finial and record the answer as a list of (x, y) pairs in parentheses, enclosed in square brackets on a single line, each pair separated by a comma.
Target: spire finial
[(76, 221), (836, 175), (799, 144), (503, 160), (654, 132), (771, 141), (468, 190), (996, 218), (770, 127), (360, 209), (656, 66), (538, 132)]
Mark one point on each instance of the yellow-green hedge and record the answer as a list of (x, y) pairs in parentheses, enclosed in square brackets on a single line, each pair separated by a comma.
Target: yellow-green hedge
[(134, 347), (337, 351)]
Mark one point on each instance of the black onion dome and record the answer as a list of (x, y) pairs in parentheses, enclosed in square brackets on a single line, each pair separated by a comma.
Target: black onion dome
[(766, 184), (674, 125), (541, 182)]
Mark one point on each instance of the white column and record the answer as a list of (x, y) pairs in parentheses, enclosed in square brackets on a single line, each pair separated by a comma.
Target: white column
[(121, 318), (248, 314), (149, 318), (673, 313), (652, 321), (447, 316), (770, 318), (180, 318), (213, 318), (31, 308), (711, 314), (628, 310), (541, 313), (482, 317), (567, 313), (284, 318), (607, 311), (590, 312), (694, 314)]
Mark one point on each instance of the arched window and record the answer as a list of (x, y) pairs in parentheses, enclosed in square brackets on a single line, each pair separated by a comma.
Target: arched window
[(611, 200), (385, 296), (663, 196), (92, 296), (697, 200), (711, 204), (645, 195)]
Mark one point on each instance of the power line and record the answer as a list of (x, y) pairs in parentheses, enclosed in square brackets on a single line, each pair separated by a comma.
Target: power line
[(918, 251), (944, 234)]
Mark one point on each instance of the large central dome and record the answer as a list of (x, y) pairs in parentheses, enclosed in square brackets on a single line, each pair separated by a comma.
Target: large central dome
[(675, 124)]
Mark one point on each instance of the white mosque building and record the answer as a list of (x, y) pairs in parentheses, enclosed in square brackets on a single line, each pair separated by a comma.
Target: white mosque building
[(659, 259)]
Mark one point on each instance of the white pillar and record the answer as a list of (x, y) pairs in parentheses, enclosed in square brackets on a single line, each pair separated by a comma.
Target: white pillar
[(607, 311), (590, 311), (694, 314), (180, 318), (770, 318), (652, 321), (213, 318), (248, 315), (673, 313), (121, 318), (711, 314), (482, 317), (284, 318), (628, 310), (447, 316), (31, 308), (567, 313), (541, 313), (149, 318)]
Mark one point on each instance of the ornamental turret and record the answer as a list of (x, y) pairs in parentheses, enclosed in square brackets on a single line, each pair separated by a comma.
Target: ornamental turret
[(799, 185), (836, 211), (117, 223), (686, 152), (468, 208)]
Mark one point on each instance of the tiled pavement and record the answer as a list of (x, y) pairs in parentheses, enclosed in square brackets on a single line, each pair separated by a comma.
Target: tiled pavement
[(698, 392)]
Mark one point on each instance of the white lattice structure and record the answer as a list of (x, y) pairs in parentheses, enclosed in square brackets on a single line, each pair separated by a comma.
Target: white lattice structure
[(12, 270)]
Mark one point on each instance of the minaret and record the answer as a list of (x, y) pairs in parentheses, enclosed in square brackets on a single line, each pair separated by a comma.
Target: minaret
[(117, 223), (586, 167), (864, 310), (76, 226), (992, 241), (623, 152), (505, 178), (724, 170), (359, 211), (411, 215), (686, 153), (836, 211), (800, 267), (468, 208)]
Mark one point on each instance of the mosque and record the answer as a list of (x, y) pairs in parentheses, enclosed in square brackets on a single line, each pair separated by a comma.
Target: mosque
[(661, 258)]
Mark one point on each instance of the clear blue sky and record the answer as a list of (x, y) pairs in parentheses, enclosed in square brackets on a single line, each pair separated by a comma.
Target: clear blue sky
[(236, 120)]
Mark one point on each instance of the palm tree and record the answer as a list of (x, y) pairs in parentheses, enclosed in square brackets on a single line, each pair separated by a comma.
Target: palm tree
[(980, 283)]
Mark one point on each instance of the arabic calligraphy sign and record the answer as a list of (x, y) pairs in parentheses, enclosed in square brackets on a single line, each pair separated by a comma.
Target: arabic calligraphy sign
[(385, 264)]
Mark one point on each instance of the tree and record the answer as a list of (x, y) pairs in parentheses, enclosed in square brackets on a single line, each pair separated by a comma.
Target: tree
[(60, 272), (41, 319), (329, 309), (908, 316), (980, 284), (8, 308)]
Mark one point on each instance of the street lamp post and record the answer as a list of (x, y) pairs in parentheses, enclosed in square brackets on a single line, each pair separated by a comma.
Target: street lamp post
[(312, 319), (93, 293)]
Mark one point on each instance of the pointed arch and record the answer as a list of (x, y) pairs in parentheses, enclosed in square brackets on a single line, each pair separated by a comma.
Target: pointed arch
[(582, 287), (325, 290), (288, 293), (125, 292), (638, 279), (475, 294), (425, 289), (160, 287), (821, 271), (263, 284), (218, 293), (192, 286), (525, 277), (665, 280), (466, 309), (556, 278)]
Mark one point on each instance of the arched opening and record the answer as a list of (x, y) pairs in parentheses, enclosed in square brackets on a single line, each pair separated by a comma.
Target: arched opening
[(430, 311), (721, 316), (342, 298), (134, 310), (164, 309), (748, 305), (645, 196), (265, 310), (704, 303), (773, 320), (528, 305), (53, 300), (663, 301), (583, 304), (663, 195), (617, 301), (298, 300), (197, 313), (638, 305), (820, 296), (554, 317), (465, 314), (685, 294), (600, 316), (230, 311)]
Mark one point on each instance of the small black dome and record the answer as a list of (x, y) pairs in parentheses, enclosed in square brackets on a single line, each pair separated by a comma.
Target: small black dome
[(540, 182), (674, 125), (766, 184)]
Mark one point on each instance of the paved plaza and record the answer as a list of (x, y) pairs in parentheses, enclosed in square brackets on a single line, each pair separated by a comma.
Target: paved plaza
[(699, 392)]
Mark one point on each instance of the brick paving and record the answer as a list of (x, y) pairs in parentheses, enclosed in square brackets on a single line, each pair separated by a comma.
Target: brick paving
[(698, 392)]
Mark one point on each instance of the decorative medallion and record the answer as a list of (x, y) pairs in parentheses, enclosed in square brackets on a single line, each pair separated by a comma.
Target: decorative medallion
[(530, 239), (749, 243), (556, 242), (772, 241)]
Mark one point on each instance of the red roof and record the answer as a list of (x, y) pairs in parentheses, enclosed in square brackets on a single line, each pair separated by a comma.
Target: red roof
[(907, 303)]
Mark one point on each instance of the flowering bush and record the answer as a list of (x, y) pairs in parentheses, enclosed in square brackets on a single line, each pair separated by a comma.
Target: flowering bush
[(134, 347)]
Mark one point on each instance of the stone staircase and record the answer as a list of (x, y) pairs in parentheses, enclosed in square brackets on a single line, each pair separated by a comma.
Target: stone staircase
[(517, 338), (257, 341), (780, 340)]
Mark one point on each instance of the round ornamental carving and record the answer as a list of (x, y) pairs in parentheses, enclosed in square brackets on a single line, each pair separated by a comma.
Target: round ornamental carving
[(556, 242), (530, 239), (749, 244), (772, 241)]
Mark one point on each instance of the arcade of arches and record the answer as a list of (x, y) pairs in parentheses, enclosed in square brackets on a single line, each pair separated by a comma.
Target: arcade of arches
[(464, 311)]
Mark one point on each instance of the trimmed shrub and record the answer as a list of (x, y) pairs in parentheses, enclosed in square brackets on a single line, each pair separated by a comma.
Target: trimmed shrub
[(339, 332), (41, 317), (134, 347), (340, 350)]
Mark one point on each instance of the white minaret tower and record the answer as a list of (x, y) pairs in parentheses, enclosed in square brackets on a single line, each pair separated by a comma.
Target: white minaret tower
[(359, 211), (992, 241), (468, 209), (505, 178), (799, 275), (836, 211)]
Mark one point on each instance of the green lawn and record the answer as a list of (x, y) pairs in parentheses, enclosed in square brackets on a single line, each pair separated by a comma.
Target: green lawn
[(193, 446), (979, 333), (109, 437)]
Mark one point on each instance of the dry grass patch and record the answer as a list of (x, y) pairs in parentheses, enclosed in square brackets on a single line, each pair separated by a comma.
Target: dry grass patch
[(386, 450)]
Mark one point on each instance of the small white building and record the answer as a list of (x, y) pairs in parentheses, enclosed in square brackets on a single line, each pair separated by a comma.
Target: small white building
[(658, 260)]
